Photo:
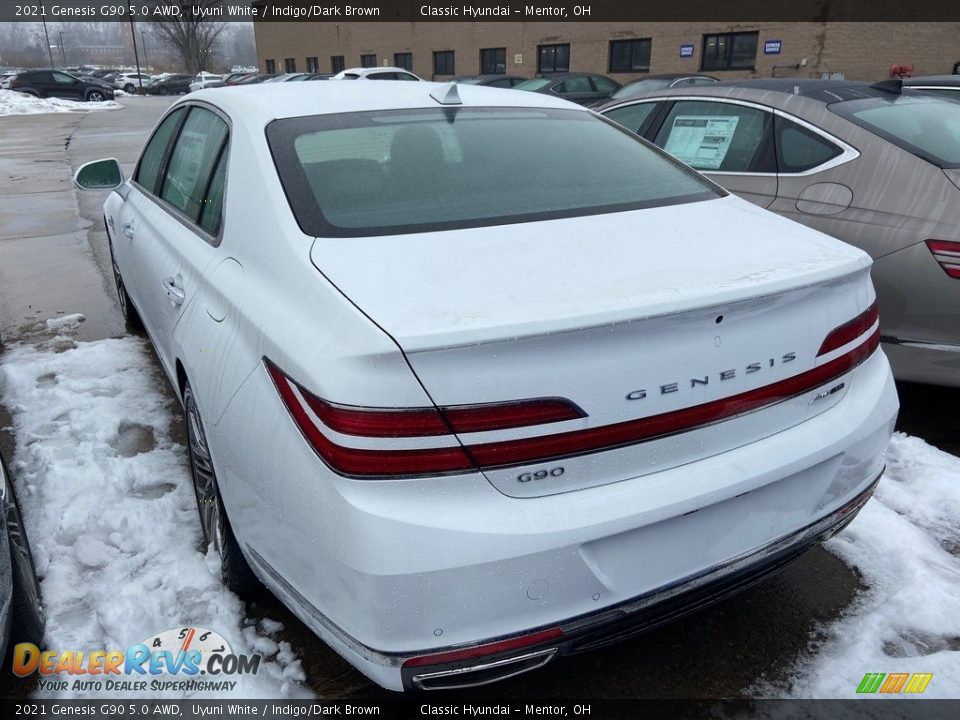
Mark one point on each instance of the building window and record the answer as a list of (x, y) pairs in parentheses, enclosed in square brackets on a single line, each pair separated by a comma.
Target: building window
[(271, 67), (368, 61), (403, 60), (313, 65), (630, 55), (729, 51), (493, 61), (337, 64), (443, 62), (290, 65), (553, 58)]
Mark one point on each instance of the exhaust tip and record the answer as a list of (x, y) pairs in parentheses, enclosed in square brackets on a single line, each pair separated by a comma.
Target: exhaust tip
[(490, 672)]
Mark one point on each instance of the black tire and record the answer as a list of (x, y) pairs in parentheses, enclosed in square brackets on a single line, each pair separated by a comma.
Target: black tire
[(130, 315), (129, 88), (95, 96), (234, 570), (26, 609)]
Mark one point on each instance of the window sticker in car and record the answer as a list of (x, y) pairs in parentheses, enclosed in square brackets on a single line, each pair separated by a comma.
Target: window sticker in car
[(701, 141)]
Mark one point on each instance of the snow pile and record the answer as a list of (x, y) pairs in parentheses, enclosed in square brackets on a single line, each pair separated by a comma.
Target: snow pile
[(110, 509), (17, 103), (906, 543)]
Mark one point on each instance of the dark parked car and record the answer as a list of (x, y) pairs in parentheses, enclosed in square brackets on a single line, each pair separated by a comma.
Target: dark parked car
[(53, 83), (636, 88), (581, 88), (21, 614), (946, 85), (170, 85), (500, 81)]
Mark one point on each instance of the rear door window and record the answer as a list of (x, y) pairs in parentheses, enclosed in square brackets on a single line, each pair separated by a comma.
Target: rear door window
[(191, 164), (719, 136), (800, 149)]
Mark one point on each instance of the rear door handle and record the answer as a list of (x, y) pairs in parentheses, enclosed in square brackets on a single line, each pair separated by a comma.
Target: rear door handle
[(127, 229), (176, 294)]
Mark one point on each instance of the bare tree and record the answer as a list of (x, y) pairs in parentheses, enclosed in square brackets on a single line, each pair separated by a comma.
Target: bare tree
[(191, 33)]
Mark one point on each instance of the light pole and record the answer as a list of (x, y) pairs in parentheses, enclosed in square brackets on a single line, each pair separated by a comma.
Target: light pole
[(63, 52), (46, 34), (143, 40), (136, 55)]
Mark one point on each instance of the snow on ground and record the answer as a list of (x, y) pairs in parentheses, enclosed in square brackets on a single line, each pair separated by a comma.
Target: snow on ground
[(17, 103), (906, 544), (110, 509)]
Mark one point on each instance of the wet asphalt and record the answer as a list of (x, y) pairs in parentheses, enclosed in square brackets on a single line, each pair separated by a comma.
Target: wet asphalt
[(54, 260)]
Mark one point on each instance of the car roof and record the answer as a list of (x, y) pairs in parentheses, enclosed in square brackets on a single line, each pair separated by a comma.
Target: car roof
[(939, 80), (824, 91), (670, 76), (260, 104)]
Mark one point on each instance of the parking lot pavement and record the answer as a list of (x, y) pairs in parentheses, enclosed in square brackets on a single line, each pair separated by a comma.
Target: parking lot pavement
[(54, 260)]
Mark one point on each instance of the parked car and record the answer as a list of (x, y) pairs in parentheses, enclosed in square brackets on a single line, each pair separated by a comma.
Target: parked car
[(464, 421), (946, 85), (204, 79), (500, 81), (581, 88), (21, 609), (53, 83), (131, 82), (169, 85), (375, 73), (866, 164), (651, 83), (289, 77)]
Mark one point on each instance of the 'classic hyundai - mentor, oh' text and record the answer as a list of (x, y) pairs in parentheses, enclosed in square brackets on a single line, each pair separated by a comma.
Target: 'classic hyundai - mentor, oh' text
[(476, 378)]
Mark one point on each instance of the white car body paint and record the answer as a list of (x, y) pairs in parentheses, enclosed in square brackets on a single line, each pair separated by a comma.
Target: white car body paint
[(586, 308)]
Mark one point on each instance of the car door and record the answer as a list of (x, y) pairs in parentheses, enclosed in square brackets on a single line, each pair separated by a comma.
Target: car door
[(728, 141), (184, 224)]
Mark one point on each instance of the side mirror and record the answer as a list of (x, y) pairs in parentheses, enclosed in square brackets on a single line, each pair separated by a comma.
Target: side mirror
[(99, 175)]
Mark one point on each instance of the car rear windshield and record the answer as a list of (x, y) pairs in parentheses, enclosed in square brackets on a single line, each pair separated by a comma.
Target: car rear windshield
[(389, 172), (927, 126)]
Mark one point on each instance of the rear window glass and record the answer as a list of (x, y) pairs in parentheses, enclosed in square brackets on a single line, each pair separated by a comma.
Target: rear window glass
[(390, 172), (925, 126)]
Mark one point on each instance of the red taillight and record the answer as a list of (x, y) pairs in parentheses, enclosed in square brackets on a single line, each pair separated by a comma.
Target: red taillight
[(429, 422), (478, 651), (850, 331), (946, 253), (406, 423)]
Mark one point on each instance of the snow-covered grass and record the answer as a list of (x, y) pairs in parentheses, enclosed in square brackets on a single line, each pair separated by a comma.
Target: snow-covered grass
[(906, 544), (109, 506), (17, 103)]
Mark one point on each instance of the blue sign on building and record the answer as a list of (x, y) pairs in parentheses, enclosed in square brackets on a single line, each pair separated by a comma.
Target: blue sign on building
[(686, 51), (771, 47)]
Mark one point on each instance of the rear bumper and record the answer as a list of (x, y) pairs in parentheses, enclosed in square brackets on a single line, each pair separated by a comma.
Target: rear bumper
[(405, 571), (640, 614)]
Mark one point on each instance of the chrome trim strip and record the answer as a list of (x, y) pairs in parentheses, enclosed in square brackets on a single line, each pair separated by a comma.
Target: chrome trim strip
[(544, 656), (849, 153), (922, 344)]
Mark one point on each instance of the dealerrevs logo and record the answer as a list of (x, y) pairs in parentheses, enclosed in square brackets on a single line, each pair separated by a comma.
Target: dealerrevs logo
[(188, 652)]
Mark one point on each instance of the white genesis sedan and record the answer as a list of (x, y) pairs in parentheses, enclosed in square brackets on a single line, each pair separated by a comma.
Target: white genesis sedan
[(475, 378)]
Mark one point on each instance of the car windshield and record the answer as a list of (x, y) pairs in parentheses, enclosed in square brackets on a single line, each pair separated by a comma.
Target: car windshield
[(468, 80), (927, 126), (389, 172), (639, 88), (532, 84)]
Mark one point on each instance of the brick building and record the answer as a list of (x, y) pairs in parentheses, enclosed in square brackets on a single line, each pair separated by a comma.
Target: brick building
[(623, 50)]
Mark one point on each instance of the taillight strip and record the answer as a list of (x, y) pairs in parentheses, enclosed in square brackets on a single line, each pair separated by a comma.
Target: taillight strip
[(947, 254), (850, 331), (359, 462), (362, 462), (630, 432)]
